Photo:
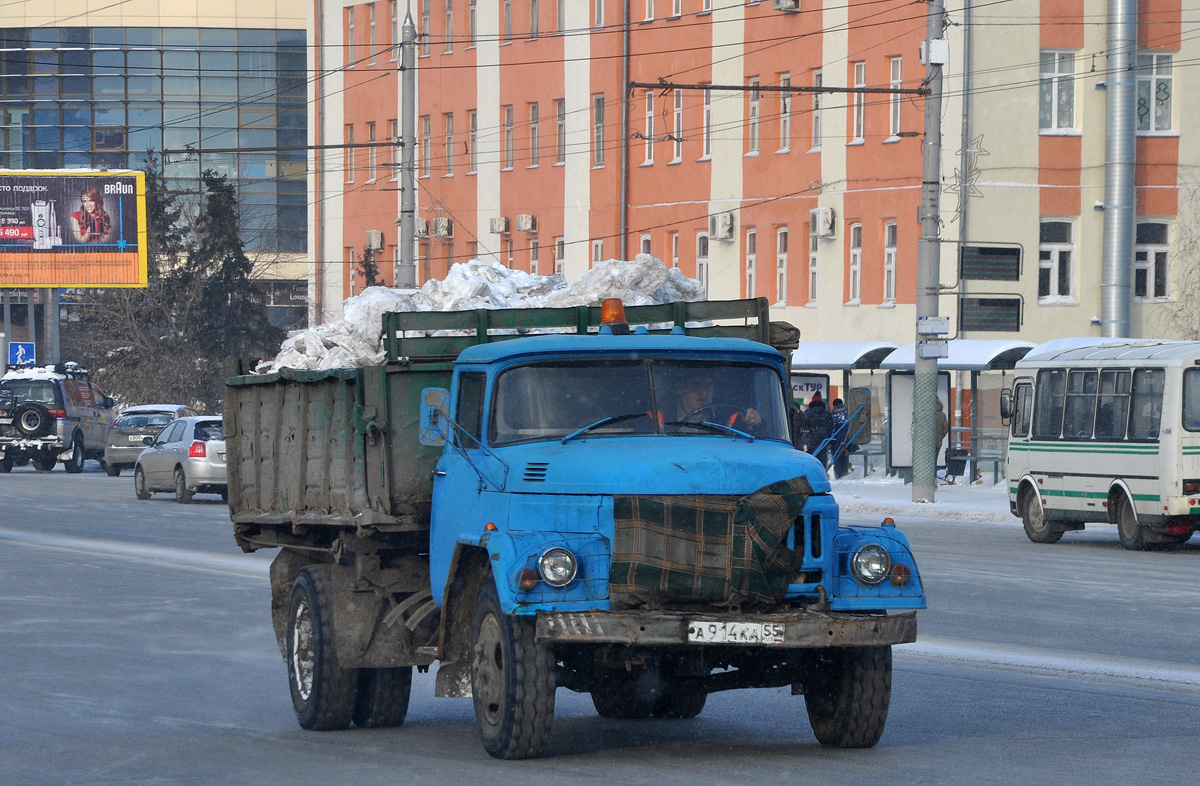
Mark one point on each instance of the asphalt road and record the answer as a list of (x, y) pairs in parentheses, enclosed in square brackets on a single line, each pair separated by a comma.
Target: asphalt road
[(135, 647)]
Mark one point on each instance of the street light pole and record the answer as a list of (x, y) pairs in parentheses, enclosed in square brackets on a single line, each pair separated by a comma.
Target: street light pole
[(925, 365)]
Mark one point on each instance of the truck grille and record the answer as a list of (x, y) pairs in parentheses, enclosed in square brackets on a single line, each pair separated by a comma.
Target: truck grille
[(535, 471)]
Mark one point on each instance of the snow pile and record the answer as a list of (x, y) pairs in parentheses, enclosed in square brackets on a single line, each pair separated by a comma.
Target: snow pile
[(357, 338)]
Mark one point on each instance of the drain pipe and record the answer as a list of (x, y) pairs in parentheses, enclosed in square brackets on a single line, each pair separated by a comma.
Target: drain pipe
[(1120, 199), (624, 244)]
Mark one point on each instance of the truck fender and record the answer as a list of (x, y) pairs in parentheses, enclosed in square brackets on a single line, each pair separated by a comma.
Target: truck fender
[(469, 568), (284, 567)]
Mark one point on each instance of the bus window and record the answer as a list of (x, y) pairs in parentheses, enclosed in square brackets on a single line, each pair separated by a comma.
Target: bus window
[(1113, 412), (1191, 399), (1081, 405), (1146, 403), (1048, 408), (1023, 409)]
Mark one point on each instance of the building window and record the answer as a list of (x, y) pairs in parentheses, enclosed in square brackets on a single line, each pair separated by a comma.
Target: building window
[(818, 81), (508, 137), (424, 31), (1154, 89), (785, 113), (371, 157), (649, 11), (560, 131), (708, 120), (508, 247), (426, 153), (1150, 257), (449, 26), (702, 259), (781, 251), (649, 140), (755, 100), (706, 5), (646, 244), (674, 249), (560, 16), (1056, 246), (855, 289), (371, 34), (677, 127), (1057, 91), (813, 242), (598, 14), (393, 146), (533, 18), (395, 48), (349, 157), (889, 262), (353, 267), (894, 98), (751, 260), (597, 252), (449, 119), (473, 131), (534, 251), (351, 54), (598, 129), (472, 22), (560, 255), (508, 28), (860, 104), (677, 8), (534, 134)]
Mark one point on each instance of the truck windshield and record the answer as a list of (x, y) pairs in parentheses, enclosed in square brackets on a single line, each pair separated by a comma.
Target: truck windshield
[(543, 401)]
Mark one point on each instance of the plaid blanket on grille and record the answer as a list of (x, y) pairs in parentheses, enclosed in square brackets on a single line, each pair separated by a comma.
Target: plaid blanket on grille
[(721, 551)]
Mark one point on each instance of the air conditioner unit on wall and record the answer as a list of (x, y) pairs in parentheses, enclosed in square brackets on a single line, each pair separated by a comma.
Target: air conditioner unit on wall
[(821, 222), (499, 225), (422, 229), (791, 6), (374, 240), (720, 226), (443, 227), (526, 223)]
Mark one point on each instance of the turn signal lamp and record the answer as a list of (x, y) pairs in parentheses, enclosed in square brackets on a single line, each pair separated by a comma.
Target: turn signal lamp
[(612, 311), (527, 580), (198, 450), (900, 574)]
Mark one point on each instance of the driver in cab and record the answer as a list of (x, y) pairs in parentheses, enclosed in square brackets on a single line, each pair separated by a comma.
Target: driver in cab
[(696, 404)]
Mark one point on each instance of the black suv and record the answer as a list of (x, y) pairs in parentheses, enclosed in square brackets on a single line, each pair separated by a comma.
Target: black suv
[(51, 413)]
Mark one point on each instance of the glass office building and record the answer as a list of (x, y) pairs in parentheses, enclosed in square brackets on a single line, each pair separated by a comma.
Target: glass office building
[(230, 100)]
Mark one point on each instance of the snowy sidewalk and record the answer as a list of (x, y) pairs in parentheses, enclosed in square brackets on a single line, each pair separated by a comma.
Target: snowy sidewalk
[(883, 496)]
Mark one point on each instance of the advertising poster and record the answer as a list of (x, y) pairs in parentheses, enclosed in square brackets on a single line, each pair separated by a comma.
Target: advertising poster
[(72, 228)]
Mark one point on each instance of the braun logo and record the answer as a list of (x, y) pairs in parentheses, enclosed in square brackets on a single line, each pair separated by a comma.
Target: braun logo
[(118, 188)]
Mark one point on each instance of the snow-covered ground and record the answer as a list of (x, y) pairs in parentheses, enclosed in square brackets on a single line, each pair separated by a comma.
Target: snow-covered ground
[(890, 496)]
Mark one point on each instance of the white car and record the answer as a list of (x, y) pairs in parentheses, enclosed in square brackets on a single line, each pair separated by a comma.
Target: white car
[(187, 457)]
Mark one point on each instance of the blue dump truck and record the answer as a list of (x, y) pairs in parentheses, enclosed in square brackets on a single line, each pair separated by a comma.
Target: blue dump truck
[(613, 508)]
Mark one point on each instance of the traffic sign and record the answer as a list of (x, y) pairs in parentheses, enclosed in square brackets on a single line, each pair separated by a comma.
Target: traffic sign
[(21, 353)]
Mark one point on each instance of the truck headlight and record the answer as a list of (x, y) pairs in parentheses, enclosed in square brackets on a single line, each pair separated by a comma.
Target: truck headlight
[(871, 564), (558, 567)]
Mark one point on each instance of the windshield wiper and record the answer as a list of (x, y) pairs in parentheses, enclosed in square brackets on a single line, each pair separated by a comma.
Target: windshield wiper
[(604, 422), (706, 424)]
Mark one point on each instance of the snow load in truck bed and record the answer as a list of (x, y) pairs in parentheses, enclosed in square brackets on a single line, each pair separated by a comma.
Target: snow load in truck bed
[(356, 338)]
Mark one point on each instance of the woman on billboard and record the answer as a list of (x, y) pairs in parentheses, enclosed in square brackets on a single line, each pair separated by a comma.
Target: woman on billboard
[(91, 221)]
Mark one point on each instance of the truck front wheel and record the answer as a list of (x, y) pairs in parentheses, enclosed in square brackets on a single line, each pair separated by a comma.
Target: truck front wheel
[(512, 680), (323, 693), (847, 695), (382, 697)]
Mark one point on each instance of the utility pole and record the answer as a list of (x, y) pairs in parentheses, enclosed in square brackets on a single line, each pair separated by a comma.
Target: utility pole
[(925, 366), (406, 273)]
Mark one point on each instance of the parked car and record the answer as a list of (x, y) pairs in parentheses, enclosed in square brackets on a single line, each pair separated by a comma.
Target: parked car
[(125, 435), (49, 413), (187, 457)]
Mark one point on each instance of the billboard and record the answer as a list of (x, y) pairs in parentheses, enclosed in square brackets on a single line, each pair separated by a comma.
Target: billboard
[(72, 228)]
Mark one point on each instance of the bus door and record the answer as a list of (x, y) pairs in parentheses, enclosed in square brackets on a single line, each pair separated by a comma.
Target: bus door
[(1142, 467), (1082, 489), (1046, 463), (1017, 458)]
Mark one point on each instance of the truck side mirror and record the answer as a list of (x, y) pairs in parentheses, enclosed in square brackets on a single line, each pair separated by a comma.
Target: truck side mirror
[(435, 409), (1006, 405)]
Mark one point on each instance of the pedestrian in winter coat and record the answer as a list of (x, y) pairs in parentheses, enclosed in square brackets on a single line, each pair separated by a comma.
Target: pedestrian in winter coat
[(820, 426)]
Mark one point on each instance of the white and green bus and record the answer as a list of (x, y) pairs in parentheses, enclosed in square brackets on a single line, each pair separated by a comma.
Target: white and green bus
[(1108, 432)]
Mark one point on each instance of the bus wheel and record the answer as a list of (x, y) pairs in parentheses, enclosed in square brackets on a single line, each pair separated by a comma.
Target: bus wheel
[(1133, 537), (1037, 527)]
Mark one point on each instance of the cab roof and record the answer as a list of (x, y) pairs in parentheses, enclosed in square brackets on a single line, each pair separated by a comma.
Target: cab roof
[(608, 344)]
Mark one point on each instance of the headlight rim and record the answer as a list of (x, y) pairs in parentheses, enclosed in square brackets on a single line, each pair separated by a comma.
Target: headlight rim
[(550, 553), (864, 575)]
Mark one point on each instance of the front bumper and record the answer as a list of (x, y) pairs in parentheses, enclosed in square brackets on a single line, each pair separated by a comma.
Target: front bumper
[(800, 629)]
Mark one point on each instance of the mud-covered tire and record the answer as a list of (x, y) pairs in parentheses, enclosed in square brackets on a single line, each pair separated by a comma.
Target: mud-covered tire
[(183, 494), (622, 703), (33, 419), (512, 680), (112, 470), (847, 695), (139, 484), (1132, 534), (44, 464), (382, 700), (1038, 528), (6, 465), (323, 693), (680, 705), (74, 465)]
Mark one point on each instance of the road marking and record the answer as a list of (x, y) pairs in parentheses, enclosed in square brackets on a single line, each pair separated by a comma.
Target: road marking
[(249, 567), (1111, 669)]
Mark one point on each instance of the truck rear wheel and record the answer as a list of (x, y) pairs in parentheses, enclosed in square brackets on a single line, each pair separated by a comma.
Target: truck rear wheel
[(848, 695), (512, 680), (382, 700), (323, 693)]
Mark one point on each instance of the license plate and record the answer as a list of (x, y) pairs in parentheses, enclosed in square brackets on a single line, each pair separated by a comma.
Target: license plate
[(735, 632), (134, 438)]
